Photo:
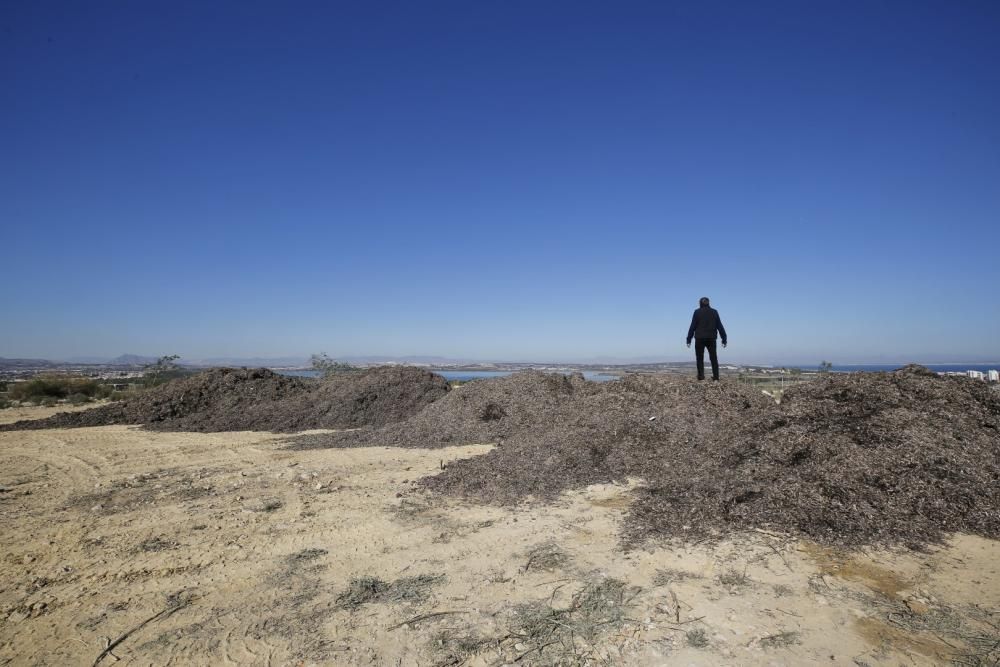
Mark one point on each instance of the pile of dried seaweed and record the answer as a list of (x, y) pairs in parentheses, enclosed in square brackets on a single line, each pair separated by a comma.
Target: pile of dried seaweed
[(634, 427), (481, 411), (228, 399), (861, 458), (371, 397), (865, 458)]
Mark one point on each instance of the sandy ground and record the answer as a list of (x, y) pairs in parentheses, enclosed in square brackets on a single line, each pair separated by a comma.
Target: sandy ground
[(220, 549)]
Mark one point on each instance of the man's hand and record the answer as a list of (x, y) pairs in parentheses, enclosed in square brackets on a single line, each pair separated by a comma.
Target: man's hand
[(724, 344), (689, 344)]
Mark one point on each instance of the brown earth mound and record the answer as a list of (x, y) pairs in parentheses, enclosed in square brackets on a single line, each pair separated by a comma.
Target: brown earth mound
[(227, 399)]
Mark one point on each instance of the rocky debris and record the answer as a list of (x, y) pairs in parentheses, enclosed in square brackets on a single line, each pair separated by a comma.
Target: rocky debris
[(228, 399)]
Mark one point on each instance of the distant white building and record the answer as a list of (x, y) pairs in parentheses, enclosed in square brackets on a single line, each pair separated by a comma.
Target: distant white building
[(993, 376), (975, 375)]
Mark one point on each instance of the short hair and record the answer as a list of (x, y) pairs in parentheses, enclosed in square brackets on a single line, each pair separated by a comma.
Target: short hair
[(703, 301)]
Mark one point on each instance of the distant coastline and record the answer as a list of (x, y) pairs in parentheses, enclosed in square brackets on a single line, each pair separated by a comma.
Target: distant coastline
[(13, 369), (939, 368), (611, 373)]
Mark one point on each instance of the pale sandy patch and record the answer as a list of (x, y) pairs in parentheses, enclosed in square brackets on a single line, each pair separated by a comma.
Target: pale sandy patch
[(245, 547)]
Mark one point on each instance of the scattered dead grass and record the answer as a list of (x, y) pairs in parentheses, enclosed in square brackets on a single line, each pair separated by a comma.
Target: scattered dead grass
[(665, 576), (369, 589), (781, 639), (547, 556), (734, 578), (569, 635)]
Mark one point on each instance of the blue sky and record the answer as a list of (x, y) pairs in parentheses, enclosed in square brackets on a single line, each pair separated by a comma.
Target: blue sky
[(515, 180)]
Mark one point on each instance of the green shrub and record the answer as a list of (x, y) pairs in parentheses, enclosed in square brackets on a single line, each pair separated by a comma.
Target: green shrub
[(53, 387)]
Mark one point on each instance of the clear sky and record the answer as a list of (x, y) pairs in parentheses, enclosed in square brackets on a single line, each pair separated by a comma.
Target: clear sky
[(500, 180)]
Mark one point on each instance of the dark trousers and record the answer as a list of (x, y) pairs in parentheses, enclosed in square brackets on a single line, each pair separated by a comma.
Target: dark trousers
[(700, 345)]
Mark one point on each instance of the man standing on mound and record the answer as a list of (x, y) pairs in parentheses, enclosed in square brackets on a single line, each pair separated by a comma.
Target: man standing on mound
[(705, 324)]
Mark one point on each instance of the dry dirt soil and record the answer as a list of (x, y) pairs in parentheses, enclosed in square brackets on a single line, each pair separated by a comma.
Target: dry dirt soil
[(226, 549)]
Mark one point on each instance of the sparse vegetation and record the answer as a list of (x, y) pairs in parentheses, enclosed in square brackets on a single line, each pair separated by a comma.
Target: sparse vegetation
[(669, 575), (568, 635), (453, 649), (697, 638), (364, 590), (781, 639), (50, 389), (734, 578), (548, 556), (497, 576), (164, 370)]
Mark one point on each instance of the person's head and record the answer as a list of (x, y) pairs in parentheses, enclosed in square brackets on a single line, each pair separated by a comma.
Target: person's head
[(703, 301)]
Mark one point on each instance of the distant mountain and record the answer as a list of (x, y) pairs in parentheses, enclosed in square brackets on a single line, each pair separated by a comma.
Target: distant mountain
[(121, 360), (25, 363)]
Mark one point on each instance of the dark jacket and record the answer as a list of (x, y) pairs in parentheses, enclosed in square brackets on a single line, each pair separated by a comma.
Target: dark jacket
[(704, 323)]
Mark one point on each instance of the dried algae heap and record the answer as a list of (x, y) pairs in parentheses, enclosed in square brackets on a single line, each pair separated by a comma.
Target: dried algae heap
[(851, 459), (861, 458), (229, 399)]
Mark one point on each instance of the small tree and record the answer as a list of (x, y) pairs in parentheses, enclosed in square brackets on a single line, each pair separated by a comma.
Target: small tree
[(165, 369), (825, 366), (165, 363), (326, 366)]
